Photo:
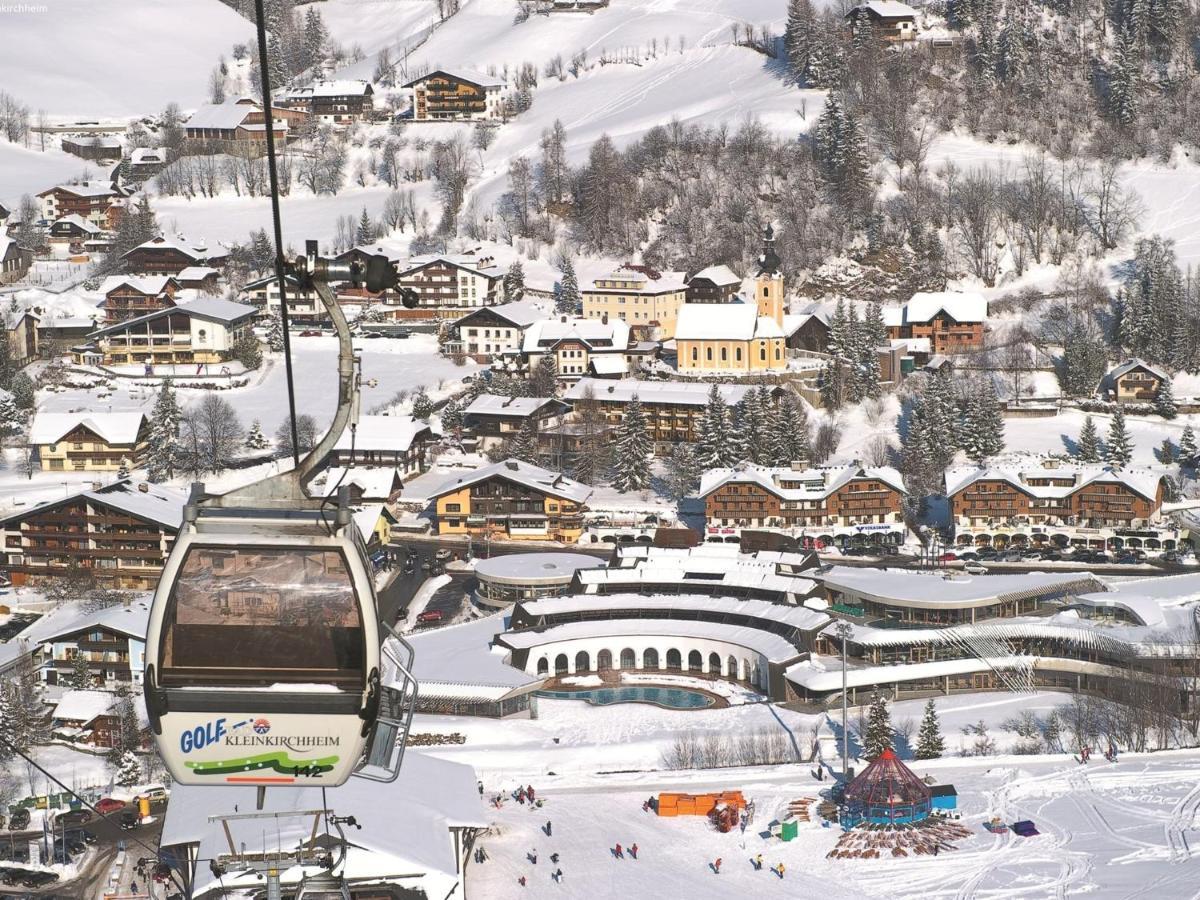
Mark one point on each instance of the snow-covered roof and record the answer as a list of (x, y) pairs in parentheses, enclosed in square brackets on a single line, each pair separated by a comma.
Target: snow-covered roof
[(683, 393), (1143, 481), (522, 313), (798, 617), (698, 571), (463, 661), (961, 306), (81, 223), (502, 405), (773, 646), (151, 285), (404, 826), (716, 321), (544, 334), (531, 476), (531, 568), (196, 273), (648, 281), (469, 75), (1130, 364), (341, 88), (888, 9), (84, 706), (932, 590), (608, 365), (162, 242), (384, 433), (147, 155), (721, 276), (799, 484), (222, 116), (84, 189), (112, 428), (73, 617), (373, 481)]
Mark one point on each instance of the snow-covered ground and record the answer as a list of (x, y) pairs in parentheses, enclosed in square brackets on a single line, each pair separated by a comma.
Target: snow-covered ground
[(94, 59), (27, 170)]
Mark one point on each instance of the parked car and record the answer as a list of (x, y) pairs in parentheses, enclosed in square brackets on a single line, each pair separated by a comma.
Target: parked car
[(1011, 556), (109, 805), (1100, 557), (985, 554), (130, 821), (968, 556), (19, 820), (13, 875), (310, 332), (443, 555), (71, 846), (948, 557), (81, 834), (1125, 559), (74, 817), (430, 616), (155, 794), (39, 879), (1171, 556), (974, 568)]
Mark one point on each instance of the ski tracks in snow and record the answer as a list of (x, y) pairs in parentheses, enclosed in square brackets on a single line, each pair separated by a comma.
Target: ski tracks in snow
[(1183, 817)]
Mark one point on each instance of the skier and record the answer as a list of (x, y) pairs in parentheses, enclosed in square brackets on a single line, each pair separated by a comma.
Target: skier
[(529, 791), (548, 828), (717, 866), (533, 856), (779, 871), (521, 881), (633, 851), (554, 858), (758, 863), (558, 876), (481, 789), (618, 852)]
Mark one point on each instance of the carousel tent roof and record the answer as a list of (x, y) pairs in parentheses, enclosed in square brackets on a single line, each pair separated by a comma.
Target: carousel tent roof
[(887, 782)]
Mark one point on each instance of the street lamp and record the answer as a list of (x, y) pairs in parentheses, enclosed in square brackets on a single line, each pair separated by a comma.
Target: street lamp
[(844, 630)]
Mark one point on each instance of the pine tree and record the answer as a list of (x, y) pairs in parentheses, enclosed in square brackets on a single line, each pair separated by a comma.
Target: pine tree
[(568, 299), (365, 233), (793, 443), (315, 36), (452, 417), (1166, 452), (81, 672), (262, 251), (802, 43), (422, 406), (1118, 450), (513, 284), (129, 770), (983, 424), (164, 453), (879, 735), (275, 332), (1164, 403), (634, 449), (12, 417), (524, 445), (1089, 442), (544, 378), (714, 449), (1123, 79), (23, 391), (255, 439), (1187, 446), (684, 471), (930, 743)]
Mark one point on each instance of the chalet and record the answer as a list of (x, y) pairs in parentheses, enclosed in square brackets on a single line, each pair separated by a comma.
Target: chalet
[(15, 260), (645, 299), (494, 331), (953, 321), (263, 295), (170, 256), (825, 503), (1134, 381), (99, 202), (889, 20), (129, 296), (400, 443), (200, 332), (807, 331), (737, 338), (73, 232), (456, 95), (146, 162), (333, 102), (580, 346), (93, 717), (494, 418), (451, 282), (1051, 498), (512, 500), (89, 442), (204, 279), (716, 284), (94, 148), (238, 126), (374, 484), (120, 533), (674, 410), (22, 331)]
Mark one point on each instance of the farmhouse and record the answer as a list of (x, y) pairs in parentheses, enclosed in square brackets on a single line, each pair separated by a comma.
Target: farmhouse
[(333, 102), (889, 20), (238, 126), (92, 442), (170, 256), (952, 321), (94, 148)]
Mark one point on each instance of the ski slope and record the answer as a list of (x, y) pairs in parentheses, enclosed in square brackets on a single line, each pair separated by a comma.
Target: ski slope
[(27, 170), (94, 59)]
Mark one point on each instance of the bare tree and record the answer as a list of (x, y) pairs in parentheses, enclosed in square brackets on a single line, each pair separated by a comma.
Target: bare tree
[(217, 432), (1112, 210)]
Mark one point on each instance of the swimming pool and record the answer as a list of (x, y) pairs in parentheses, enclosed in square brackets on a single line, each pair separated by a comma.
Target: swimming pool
[(669, 697)]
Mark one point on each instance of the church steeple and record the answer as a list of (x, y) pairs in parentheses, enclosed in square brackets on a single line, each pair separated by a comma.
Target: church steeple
[(768, 283)]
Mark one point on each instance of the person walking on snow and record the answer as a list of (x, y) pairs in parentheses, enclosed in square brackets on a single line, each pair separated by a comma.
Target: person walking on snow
[(619, 854), (521, 881), (633, 851), (548, 828), (758, 863), (529, 792), (717, 866), (779, 871)]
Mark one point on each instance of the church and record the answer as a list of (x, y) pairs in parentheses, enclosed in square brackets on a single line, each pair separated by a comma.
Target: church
[(738, 337)]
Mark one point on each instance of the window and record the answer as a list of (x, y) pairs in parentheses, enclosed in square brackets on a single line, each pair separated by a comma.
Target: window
[(453, 507), (708, 353), (695, 356), (762, 353), (737, 354)]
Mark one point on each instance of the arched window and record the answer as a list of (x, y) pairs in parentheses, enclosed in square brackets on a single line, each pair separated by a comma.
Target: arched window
[(695, 354), (714, 663), (628, 659), (708, 353), (695, 661), (543, 666), (778, 352), (582, 662), (674, 660), (724, 354), (737, 354), (766, 291), (731, 667), (560, 664), (604, 660), (649, 658), (762, 353)]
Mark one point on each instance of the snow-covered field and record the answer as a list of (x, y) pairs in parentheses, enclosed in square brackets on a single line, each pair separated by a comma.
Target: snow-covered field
[(27, 170), (93, 59)]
